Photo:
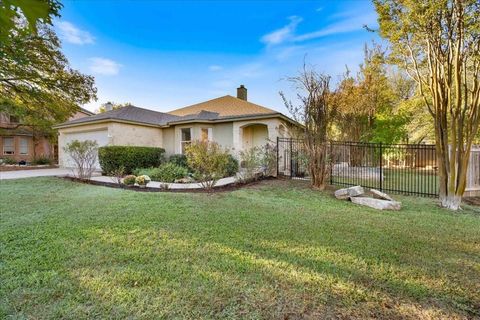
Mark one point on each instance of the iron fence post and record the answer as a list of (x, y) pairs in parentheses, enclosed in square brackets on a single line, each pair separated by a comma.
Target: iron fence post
[(381, 167), (291, 158), (331, 162), (278, 147)]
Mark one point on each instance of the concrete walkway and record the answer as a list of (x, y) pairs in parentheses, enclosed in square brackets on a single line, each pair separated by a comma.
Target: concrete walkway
[(20, 174)]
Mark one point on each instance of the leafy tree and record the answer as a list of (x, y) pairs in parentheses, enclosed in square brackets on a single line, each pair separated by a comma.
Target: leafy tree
[(367, 103), (113, 105), (36, 82), (438, 43), (20, 17), (316, 112)]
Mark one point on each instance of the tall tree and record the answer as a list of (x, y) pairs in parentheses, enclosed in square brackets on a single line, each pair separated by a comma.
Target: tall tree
[(316, 113), (36, 82), (438, 43), (367, 102), (19, 17)]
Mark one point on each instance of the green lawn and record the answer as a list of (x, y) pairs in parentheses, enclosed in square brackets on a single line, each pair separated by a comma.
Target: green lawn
[(276, 250)]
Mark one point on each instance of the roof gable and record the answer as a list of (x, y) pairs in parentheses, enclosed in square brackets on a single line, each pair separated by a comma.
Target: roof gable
[(226, 106)]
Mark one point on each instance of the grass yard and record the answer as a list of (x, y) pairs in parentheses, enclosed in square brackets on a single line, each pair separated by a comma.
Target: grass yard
[(276, 250)]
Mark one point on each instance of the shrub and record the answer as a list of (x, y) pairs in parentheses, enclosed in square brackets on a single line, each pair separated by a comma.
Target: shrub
[(8, 161), (167, 172), (251, 161), (42, 160), (84, 156), (208, 162), (232, 166), (179, 160), (142, 180), (129, 180), (112, 158)]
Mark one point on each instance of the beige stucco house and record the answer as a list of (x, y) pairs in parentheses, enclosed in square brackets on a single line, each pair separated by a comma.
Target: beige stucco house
[(233, 122)]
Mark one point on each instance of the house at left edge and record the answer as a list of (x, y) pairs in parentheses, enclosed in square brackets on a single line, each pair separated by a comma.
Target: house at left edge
[(20, 142)]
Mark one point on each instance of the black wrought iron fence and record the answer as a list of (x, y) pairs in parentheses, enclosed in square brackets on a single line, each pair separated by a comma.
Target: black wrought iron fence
[(395, 168)]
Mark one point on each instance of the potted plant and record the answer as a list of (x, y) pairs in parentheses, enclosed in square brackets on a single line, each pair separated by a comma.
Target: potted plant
[(142, 180)]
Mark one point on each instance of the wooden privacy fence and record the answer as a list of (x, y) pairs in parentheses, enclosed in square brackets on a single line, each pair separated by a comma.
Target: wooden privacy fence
[(396, 168)]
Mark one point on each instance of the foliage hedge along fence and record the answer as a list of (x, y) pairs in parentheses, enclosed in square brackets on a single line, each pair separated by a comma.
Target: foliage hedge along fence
[(112, 158)]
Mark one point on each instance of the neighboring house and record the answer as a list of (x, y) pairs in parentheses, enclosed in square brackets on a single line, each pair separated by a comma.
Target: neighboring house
[(234, 123), (22, 144)]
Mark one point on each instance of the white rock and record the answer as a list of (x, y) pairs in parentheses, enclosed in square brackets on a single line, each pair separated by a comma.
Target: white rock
[(381, 195), (377, 203), (349, 192)]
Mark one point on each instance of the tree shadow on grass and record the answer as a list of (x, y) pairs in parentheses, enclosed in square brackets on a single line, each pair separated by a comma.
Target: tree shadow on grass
[(176, 275)]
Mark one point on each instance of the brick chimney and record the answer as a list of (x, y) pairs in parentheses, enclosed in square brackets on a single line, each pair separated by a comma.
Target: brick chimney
[(242, 92)]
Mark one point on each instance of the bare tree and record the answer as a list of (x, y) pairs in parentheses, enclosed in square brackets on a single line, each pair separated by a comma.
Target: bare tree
[(438, 44), (84, 157), (314, 111)]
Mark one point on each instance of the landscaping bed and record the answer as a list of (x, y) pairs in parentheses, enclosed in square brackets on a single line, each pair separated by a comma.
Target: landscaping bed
[(4, 168), (222, 188)]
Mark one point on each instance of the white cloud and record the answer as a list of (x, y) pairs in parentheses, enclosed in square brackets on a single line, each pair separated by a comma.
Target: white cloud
[(283, 34), (70, 33), (104, 66), (215, 68)]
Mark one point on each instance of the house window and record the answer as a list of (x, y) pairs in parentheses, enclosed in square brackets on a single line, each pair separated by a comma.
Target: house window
[(8, 146), (186, 138), (23, 146), (206, 134)]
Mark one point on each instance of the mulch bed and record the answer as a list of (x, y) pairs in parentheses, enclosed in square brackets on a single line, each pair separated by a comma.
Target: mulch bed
[(473, 201), (20, 168), (230, 187)]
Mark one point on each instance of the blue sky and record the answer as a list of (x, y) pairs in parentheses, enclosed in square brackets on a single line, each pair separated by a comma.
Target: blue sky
[(165, 55)]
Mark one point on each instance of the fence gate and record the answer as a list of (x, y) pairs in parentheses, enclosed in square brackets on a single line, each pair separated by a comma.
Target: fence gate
[(395, 168)]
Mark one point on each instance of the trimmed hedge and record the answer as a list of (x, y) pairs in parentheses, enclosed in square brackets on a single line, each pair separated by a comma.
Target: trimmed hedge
[(113, 157)]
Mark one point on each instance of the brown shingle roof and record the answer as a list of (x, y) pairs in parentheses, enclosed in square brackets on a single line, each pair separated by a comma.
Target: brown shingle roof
[(226, 106)]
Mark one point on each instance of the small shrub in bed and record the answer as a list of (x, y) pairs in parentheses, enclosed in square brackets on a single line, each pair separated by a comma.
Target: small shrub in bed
[(129, 180), (129, 157), (42, 160), (167, 172), (9, 161), (179, 160), (232, 166), (142, 180)]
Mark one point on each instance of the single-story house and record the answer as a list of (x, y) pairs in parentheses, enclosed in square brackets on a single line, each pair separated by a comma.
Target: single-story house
[(233, 122), (21, 143)]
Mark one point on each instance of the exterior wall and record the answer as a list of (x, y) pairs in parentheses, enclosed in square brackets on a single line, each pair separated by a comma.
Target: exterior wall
[(62, 137), (223, 134), (169, 141), (276, 128), (123, 134)]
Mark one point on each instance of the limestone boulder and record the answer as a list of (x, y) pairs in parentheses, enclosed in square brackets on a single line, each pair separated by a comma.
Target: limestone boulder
[(381, 195), (347, 193), (379, 204)]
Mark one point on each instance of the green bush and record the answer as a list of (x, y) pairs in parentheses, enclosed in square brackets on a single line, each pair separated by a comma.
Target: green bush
[(129, 180), (167, 172), (8, 161), (113, 157), (232, 166), (179, 160), (42, 160), (208, 161)]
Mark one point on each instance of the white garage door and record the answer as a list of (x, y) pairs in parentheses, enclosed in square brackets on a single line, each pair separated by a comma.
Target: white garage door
[(101, 136)]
